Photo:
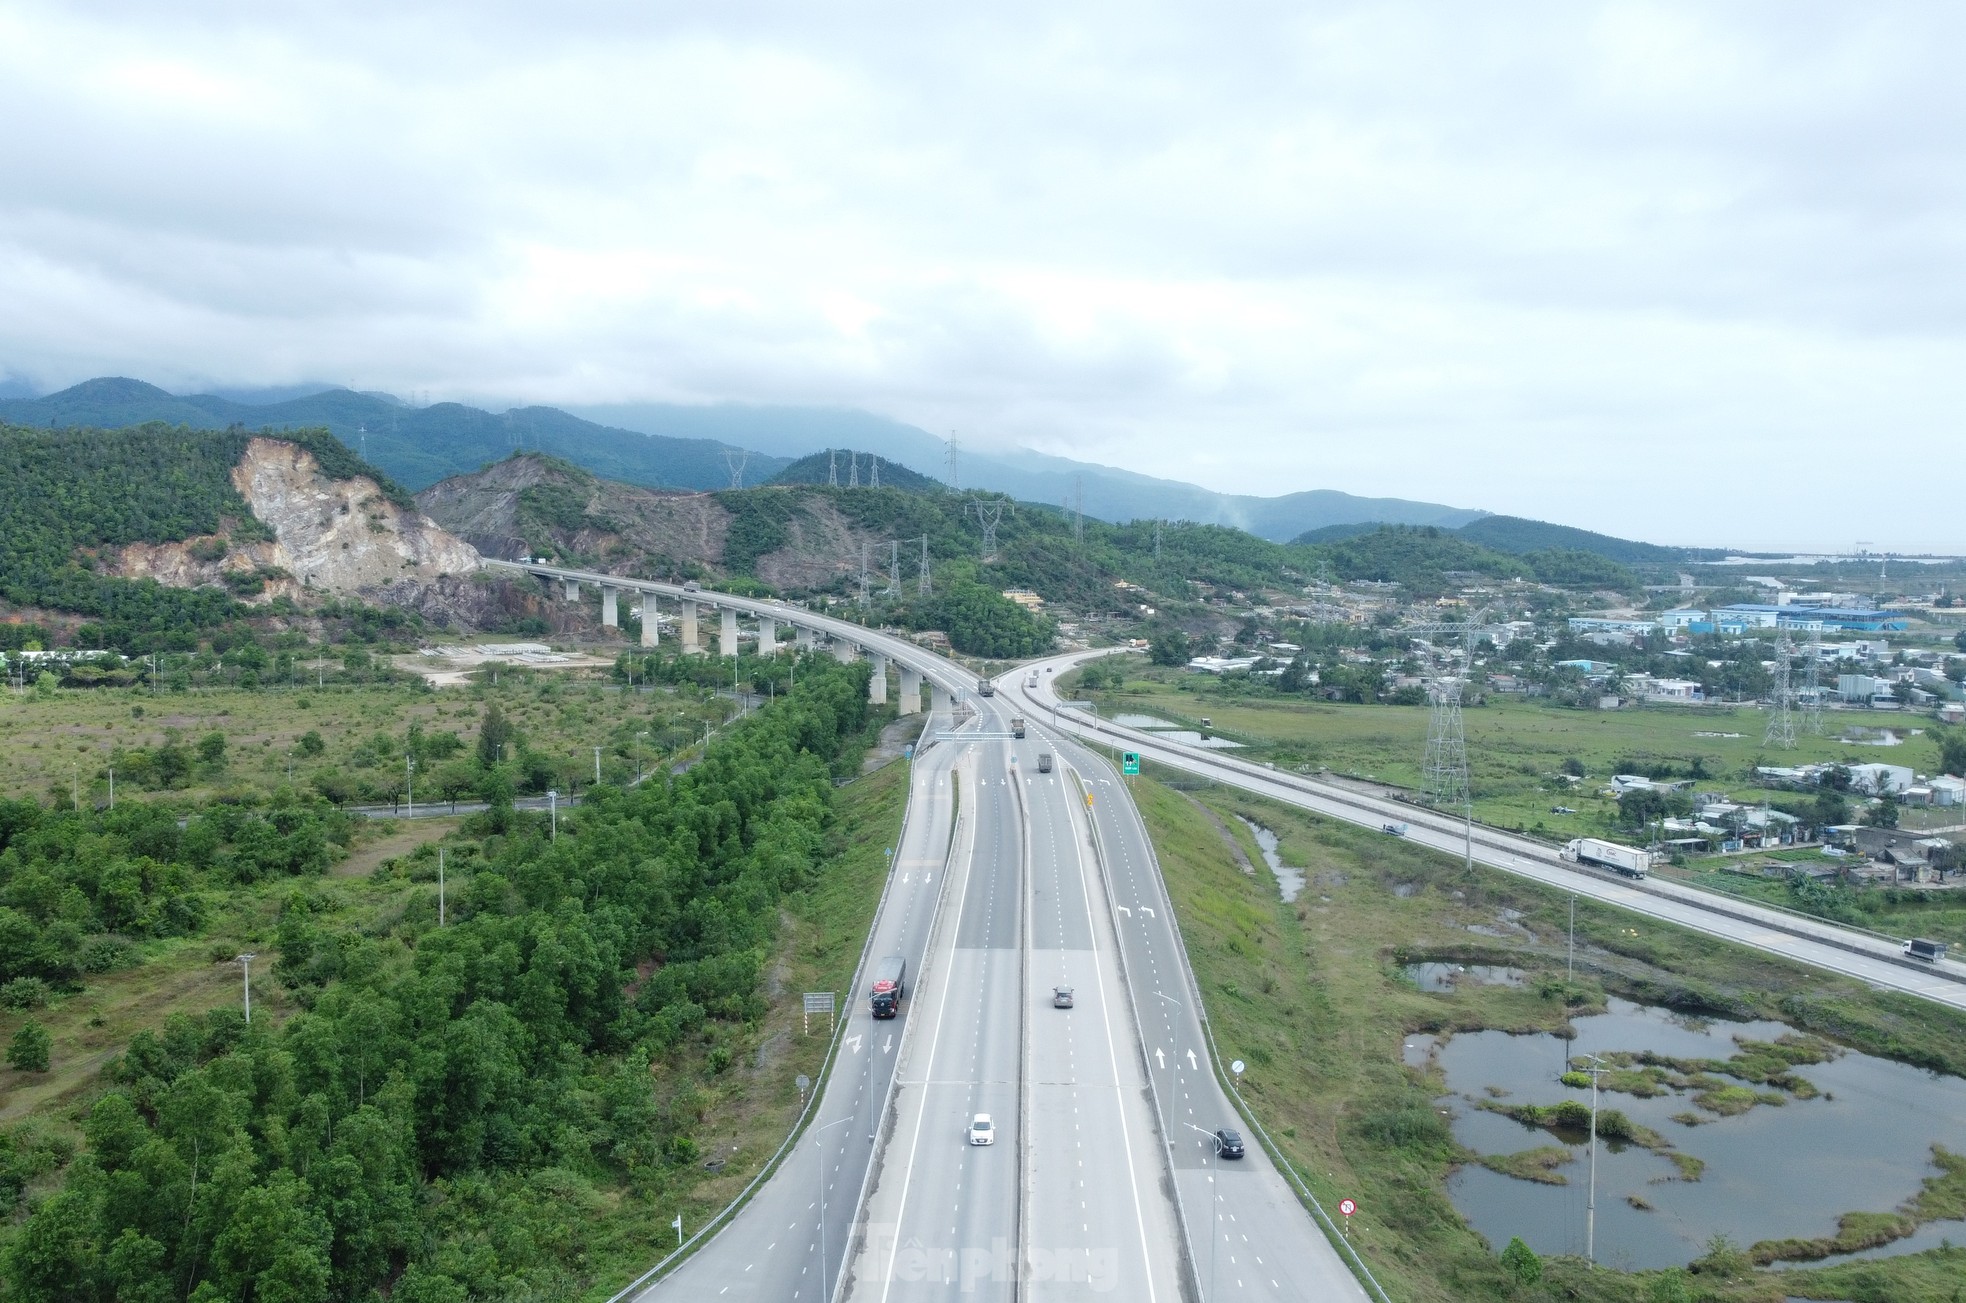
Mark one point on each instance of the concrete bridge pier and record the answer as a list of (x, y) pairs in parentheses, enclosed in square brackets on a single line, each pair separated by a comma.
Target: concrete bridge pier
[(767, 636), (649, 618), (690, 645), (844, 652), (877, 682), (806, 638), (911, 692), (573, 590), (727, 635), (939, 700), (610, 606)]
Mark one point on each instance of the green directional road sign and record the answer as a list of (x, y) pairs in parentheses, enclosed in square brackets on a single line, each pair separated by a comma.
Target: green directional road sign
[(1129, 763)]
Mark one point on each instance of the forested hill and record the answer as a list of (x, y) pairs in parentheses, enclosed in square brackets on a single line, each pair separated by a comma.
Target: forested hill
[(1519, 537), (1423, 559), (837, 466), (71, 490), (416, 445)]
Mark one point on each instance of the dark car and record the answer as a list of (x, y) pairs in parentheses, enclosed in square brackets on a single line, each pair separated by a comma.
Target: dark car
[(1061, 997), (1228, 1143)]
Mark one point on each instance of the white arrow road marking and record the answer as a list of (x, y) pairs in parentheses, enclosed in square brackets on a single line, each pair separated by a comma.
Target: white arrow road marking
[(1160, 1056), (889, 1047), (854, 1041), (1191, 1059), (904, 879), (1148, 912), (1124, 910)]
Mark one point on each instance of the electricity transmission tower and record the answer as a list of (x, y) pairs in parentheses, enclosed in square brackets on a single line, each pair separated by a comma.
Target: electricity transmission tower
[(734, 461), (1444, 774), (1812, 706), (922, 586), (832, 468), (1078, 508), (852, 469), (988, 515), (864, 546), (954, 487), (893, 588), (1781, 714), (873, 471)]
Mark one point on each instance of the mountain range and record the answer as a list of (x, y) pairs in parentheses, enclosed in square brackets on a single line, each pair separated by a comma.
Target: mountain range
[(679, 446)]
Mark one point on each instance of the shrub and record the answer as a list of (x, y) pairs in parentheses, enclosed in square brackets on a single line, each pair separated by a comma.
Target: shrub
[(1524, 1267), (24, 993), (28, 1051)]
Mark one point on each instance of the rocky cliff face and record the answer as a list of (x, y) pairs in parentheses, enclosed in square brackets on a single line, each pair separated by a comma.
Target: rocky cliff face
[(331, 537), (531, 505)]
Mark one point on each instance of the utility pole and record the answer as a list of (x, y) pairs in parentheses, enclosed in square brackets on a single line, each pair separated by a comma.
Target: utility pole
[(553, 812), (245, 961), (440, 886), (1570, 963), (597, 766), (409, 782), (112, 785), (1596, 1070)]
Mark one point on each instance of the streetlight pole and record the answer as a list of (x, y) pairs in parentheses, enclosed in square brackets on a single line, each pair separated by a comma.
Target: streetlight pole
[(246, 962), (821, 1149), (440, 886), (1214, 1201), (597, 766), (409, 782), (553, 810), (112, 787)]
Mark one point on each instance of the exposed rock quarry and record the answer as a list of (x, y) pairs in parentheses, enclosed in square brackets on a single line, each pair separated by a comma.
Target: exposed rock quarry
[(623, 528), (339, 537)]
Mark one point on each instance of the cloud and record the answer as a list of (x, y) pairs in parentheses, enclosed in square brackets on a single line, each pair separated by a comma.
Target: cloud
[(1662, 269)]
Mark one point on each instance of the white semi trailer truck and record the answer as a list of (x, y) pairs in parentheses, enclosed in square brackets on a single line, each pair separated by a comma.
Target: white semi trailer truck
[(1628, 860)]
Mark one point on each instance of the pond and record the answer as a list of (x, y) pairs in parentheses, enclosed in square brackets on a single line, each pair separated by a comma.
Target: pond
[(1782, 1158), (1290, 882), (1439, 977), (1175, 733)]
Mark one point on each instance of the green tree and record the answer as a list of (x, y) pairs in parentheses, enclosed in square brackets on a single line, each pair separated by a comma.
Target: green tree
[(1524, 1267), (211, 750), (1669, 1287), (28, 1051), (1952, 751), (1170, 648), (494, 733), (311, 743)]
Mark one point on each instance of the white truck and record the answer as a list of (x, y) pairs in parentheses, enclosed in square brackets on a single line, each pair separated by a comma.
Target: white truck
[(1628, 860)]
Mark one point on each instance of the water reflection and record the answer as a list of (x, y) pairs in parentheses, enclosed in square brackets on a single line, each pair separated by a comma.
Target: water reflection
[(1863, 1143)]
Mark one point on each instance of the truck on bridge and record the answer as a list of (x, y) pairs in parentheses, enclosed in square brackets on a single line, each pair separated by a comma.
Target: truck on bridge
[(1628, 860)]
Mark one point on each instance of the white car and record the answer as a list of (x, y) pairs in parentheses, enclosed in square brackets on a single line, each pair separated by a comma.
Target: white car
[(981, 1130)]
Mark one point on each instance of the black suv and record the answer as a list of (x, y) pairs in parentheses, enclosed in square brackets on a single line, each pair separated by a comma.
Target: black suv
[(1228, 1143)]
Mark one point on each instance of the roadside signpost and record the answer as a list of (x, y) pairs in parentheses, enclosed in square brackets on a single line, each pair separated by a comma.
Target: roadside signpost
[(1130, 763), (1347, 1207), (819, 1002)]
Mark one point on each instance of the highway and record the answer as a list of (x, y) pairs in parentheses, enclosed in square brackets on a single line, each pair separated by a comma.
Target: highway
[(1247, 1234), (778, 1247), (1864, 956)]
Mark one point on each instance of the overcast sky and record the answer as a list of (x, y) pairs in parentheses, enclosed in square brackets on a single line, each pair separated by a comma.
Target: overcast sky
[(1691, 273)]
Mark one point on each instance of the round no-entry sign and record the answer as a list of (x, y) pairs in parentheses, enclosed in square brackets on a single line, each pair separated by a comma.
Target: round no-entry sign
[(1347, 1207)]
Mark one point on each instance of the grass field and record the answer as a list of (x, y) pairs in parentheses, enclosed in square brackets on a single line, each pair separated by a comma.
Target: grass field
[(65, 742), (1516, 748), (1312, 998)]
